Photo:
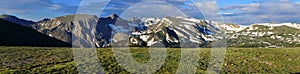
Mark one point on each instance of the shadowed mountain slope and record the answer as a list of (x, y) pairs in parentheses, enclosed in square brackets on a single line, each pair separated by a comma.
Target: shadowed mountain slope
[(16, 35)]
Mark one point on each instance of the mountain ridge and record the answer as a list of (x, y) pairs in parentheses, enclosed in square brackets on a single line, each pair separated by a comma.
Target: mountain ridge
[(16, 20), (170, 31), (13, 34)]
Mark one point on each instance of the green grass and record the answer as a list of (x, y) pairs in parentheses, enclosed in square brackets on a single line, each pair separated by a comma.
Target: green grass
[(60, 60)]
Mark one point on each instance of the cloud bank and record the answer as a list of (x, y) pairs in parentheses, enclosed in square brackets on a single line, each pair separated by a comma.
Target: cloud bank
[(276, 11)]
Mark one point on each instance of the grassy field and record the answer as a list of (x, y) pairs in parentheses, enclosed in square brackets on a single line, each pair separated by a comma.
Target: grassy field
[(60, 60)]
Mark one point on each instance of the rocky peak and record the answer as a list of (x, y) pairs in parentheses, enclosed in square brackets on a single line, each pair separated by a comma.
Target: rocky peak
[(114, 16), (45, 19)]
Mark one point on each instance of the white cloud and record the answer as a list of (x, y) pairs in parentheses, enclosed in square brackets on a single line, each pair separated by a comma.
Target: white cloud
[(241, 7), (152, 9), (55, 7), (209, 9), (269, 11), (23, 6), (5, 10)]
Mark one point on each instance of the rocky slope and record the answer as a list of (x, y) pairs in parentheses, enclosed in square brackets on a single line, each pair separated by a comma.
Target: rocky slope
[(174, 32), (71, 29)]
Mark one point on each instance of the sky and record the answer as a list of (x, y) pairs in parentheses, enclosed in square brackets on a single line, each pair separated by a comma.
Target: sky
[(242, 12)]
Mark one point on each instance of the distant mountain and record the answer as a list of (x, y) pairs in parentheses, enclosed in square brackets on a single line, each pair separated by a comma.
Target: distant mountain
[(13, 34), (140, 32), (266, 35), (169, 31), (67, 27), (16, 20), (45, 19), (176, 32)]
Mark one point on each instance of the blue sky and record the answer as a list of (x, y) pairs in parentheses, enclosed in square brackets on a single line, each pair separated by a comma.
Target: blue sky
[(236, 11)]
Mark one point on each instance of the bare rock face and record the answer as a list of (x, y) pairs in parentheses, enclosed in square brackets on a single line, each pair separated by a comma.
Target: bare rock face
[(78, 30), (83, 30), (120, 37)]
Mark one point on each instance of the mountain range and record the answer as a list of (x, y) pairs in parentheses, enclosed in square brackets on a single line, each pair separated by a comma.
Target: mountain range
[(84, 30)]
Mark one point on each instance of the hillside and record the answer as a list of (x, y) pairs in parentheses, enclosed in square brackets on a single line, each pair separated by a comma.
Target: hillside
[(16, 35), (16, 20)]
